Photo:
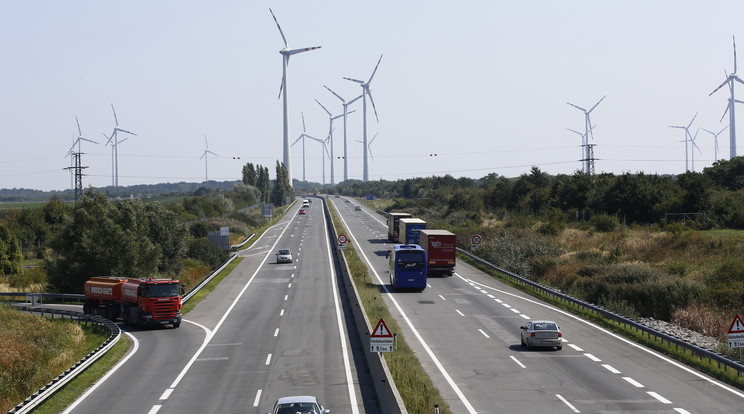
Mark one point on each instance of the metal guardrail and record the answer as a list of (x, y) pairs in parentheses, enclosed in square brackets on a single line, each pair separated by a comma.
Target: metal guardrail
[(702, 353), (46, 391)]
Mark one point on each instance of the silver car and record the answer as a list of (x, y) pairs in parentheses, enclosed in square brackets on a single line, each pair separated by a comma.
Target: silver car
[(284, 256), (541, 334), (305, 404)]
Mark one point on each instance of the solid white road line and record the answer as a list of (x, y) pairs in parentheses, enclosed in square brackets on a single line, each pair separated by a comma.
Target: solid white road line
[(517, 361), (659, 397), (634, 382), (574, 409)]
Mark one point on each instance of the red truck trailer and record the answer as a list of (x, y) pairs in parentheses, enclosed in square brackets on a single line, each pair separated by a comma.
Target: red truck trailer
[(141, 302), (440, 246)]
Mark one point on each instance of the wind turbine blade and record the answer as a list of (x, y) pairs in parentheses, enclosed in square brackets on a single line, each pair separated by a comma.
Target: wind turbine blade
[(313, 138), (693, 120), (726, 111), (708, 131), (337, 95), (297, 140), (354, 80), (720, 86), (124, 130), (370, 152), (373, 72), (300, 50), (734, 37), (108, 138), (202, 157), (303, 122), (281, 86), (361, 142), (324, 108), (86, 139), (212, 153), (373, 103), (676, 126), (116, 120), (736, 78), (354, 100), (326, 150), (577, 107), (373, 138), (575, 132), (123, 140), (80, 133), (351, 112), (738, 101), (279, 27), (724, 128), (205, 141), (595, 105), (72, 148)]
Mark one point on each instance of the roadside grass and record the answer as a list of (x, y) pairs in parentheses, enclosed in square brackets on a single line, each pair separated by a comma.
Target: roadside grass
[(209, 287), (414, 385), (681, 355), (75, 388)]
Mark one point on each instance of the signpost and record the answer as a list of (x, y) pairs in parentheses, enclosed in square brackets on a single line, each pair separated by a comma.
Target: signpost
[(475, 242), (381, 339), (736, 334), (342, 241)]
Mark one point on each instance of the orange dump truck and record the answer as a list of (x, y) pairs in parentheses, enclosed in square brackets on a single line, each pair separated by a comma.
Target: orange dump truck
[(141, 302)]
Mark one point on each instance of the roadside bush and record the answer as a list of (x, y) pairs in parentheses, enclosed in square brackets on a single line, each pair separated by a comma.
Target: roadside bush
[(604, 223), (513, 249), (726, 284), (211, 254), (27, 278)]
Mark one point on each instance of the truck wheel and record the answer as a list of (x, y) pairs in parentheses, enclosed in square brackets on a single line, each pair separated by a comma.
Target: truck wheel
[(176, 325)]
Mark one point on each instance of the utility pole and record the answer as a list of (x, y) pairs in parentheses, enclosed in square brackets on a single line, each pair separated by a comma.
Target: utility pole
[(78, 169)]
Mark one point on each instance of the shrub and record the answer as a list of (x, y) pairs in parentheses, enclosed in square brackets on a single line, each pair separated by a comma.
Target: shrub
[(604, 223), (726, 284)]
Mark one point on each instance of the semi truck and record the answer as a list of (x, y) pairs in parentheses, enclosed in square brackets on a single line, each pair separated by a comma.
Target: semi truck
[(441, 252), (409, 230), (140, 302), (393, 223)]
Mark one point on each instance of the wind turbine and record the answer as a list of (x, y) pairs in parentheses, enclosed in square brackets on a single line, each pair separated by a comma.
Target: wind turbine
[(323, 152), (286, 53), (369, 146), (114, 140), (205, 155), (687, 134), (715, 137), (583, 137), (303, 136), (78, 139), (331, 118), (346, 105), (588, 131), (365, 92), (732, 119)]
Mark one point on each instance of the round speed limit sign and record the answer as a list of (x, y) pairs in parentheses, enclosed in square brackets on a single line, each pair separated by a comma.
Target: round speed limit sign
[(342, 238), (477, 239)]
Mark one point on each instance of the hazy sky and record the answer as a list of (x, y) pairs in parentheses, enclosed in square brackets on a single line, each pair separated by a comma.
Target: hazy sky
[(482, 84)]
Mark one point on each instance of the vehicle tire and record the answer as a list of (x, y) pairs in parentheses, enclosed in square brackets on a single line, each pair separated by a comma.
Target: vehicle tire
[(559, 347), (176, 325)]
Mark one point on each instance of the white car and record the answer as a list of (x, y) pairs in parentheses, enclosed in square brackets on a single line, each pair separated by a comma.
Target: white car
[(541, 334), (284, 256), (305, 404)]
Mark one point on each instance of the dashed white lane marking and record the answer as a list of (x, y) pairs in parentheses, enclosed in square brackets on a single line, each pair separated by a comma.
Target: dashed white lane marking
[(258, 398), (484, 334), (166, 394), (442, 297), (574, 409), (610, 368), (592, 357), (154, 409), (499, 300), (514, 310), (281, 313), (576, 348), (659, 397), (681, 411), (506, 305), (525, 316), (276, 333), (517, 361), (286, 296), (292, 276), (268, 359), (458, 311), (289, 286), (491, 296), (428, 285), (634, 382)]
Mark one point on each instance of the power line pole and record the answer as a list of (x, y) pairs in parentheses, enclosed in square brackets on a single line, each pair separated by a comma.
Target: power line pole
[(78, 169)]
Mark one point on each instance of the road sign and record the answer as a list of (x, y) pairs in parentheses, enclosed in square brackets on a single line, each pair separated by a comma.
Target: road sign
[(476, 239), (381, 340), (342, 238), (736, 333)]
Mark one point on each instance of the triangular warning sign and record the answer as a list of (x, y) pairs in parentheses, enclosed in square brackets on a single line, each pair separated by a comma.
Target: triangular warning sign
[(737, 326), (382, 331)]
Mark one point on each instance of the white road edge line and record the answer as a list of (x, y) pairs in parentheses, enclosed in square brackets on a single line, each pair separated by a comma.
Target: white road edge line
[(340, 322), (105, 377), (618, 337), (574, 409), (517, 361), (428, 350)]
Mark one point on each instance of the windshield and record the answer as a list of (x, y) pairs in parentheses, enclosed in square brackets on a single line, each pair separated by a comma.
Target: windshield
[(544, 326), (284, 251), (411, 259), (162, 291), (294, 408)]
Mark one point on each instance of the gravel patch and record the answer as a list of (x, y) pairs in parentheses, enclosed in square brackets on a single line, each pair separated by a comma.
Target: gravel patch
[(695, 338)]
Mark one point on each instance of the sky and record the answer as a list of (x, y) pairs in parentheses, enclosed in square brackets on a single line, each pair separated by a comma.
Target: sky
[(464, 88)]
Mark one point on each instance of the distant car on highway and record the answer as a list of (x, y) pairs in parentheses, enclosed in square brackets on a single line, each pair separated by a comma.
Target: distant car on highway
[(358, 208), (305, 404), (541, 334), (302, 211), (284, 256)]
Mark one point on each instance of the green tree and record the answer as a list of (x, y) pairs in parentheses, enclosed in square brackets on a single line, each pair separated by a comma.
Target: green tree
[(250, 176), (263, 183), (281, 189), (11, 259), (166, 231)]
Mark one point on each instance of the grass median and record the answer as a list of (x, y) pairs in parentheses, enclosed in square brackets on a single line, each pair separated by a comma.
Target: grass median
[(414, 385)]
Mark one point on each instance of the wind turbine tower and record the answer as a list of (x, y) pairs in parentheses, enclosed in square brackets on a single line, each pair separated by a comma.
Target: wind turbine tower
[(302, 137), (286, 53), (365, 93), (330, 136), (205, 156), (730, 79), (346, 106), (588, 165), (687, 138), (114, 140), (583, 137), (715, 138), (323, 152)]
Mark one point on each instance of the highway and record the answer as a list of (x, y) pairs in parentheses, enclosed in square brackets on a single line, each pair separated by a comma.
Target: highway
[(465, 330), (268, 330)]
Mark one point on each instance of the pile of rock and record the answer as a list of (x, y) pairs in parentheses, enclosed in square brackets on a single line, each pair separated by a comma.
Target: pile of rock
[(707, 342)]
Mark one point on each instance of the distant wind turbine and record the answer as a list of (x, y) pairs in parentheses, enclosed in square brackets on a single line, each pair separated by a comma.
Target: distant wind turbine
[(365, 93), (715, 138), (205, 156), (79, 139), (369, 145), (730, 80), (346, 106), (583, 138), (302, 137), (286, 53), (687, 135), (588, 131), (115, 141), (323, 152), (331, 118)]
